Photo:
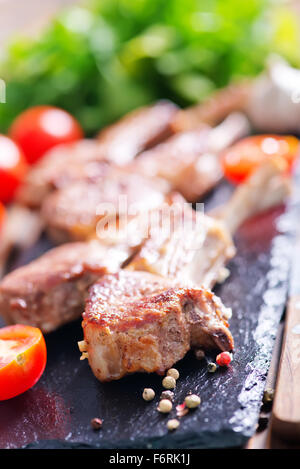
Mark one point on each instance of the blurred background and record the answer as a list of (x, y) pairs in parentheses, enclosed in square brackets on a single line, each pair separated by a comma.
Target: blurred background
[(101, 58)]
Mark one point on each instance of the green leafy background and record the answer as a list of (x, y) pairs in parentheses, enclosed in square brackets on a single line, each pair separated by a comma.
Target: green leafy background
[(107, 57)]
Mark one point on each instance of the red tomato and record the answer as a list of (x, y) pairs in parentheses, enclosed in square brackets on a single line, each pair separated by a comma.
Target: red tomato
[(2, 214), (22, 359), (240, 160), (13, 168), (42, 127)]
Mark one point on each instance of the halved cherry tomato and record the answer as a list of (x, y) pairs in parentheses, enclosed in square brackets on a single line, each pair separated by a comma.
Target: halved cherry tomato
[(13, 168), (40, 128), (2, 215), (23, 358), (240, 160)]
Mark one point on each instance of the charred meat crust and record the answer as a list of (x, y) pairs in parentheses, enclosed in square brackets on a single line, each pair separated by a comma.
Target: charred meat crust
[(64, 164), (137, 131), (136, 321), (74, 211), (51, 290), (185, 161)]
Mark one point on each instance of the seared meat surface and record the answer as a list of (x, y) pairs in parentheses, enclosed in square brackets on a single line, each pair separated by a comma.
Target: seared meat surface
[(138, 131), (74, 212), (139, 322), (195, 252), (185, 162), (189, 160), (62, 165), (50, 291)]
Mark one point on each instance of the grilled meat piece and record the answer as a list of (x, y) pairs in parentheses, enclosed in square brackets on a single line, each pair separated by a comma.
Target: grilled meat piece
[(189, 160), (194, 250), (138, 131), (139, 322), (77, 211), (51, 290), (62, 165)]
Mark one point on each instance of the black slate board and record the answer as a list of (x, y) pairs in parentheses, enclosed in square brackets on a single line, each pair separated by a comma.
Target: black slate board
[(56, 413)]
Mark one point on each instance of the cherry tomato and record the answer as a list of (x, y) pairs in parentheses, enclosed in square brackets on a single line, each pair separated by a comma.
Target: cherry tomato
[(13, 168), (240, 160), (40, 128), (22, 359), (2, 215)]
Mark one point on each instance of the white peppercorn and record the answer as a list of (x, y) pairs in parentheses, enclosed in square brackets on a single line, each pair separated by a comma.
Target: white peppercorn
[(173, 373), (148, 394), (173, 424), (169, 382), (165, 406), (192, 401)]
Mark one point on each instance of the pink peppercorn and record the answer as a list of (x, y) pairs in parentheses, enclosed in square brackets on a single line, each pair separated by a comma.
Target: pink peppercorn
[(224, 359)]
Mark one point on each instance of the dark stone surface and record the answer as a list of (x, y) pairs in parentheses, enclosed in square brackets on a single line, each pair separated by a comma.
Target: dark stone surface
[(56, 413)]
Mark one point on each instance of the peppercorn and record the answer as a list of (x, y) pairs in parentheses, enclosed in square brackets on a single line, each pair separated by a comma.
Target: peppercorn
[(173, 373), (165, 406), (148, 394), (169, 382), (211, 367), (173, 424), (192, 401), (167, 395), (96, 423)]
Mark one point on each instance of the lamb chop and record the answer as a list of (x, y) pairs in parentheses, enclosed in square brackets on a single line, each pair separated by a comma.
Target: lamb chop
[(76, 211), (148, 316), (87, 159), (139, 322), (50, 291), (189, 160)]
